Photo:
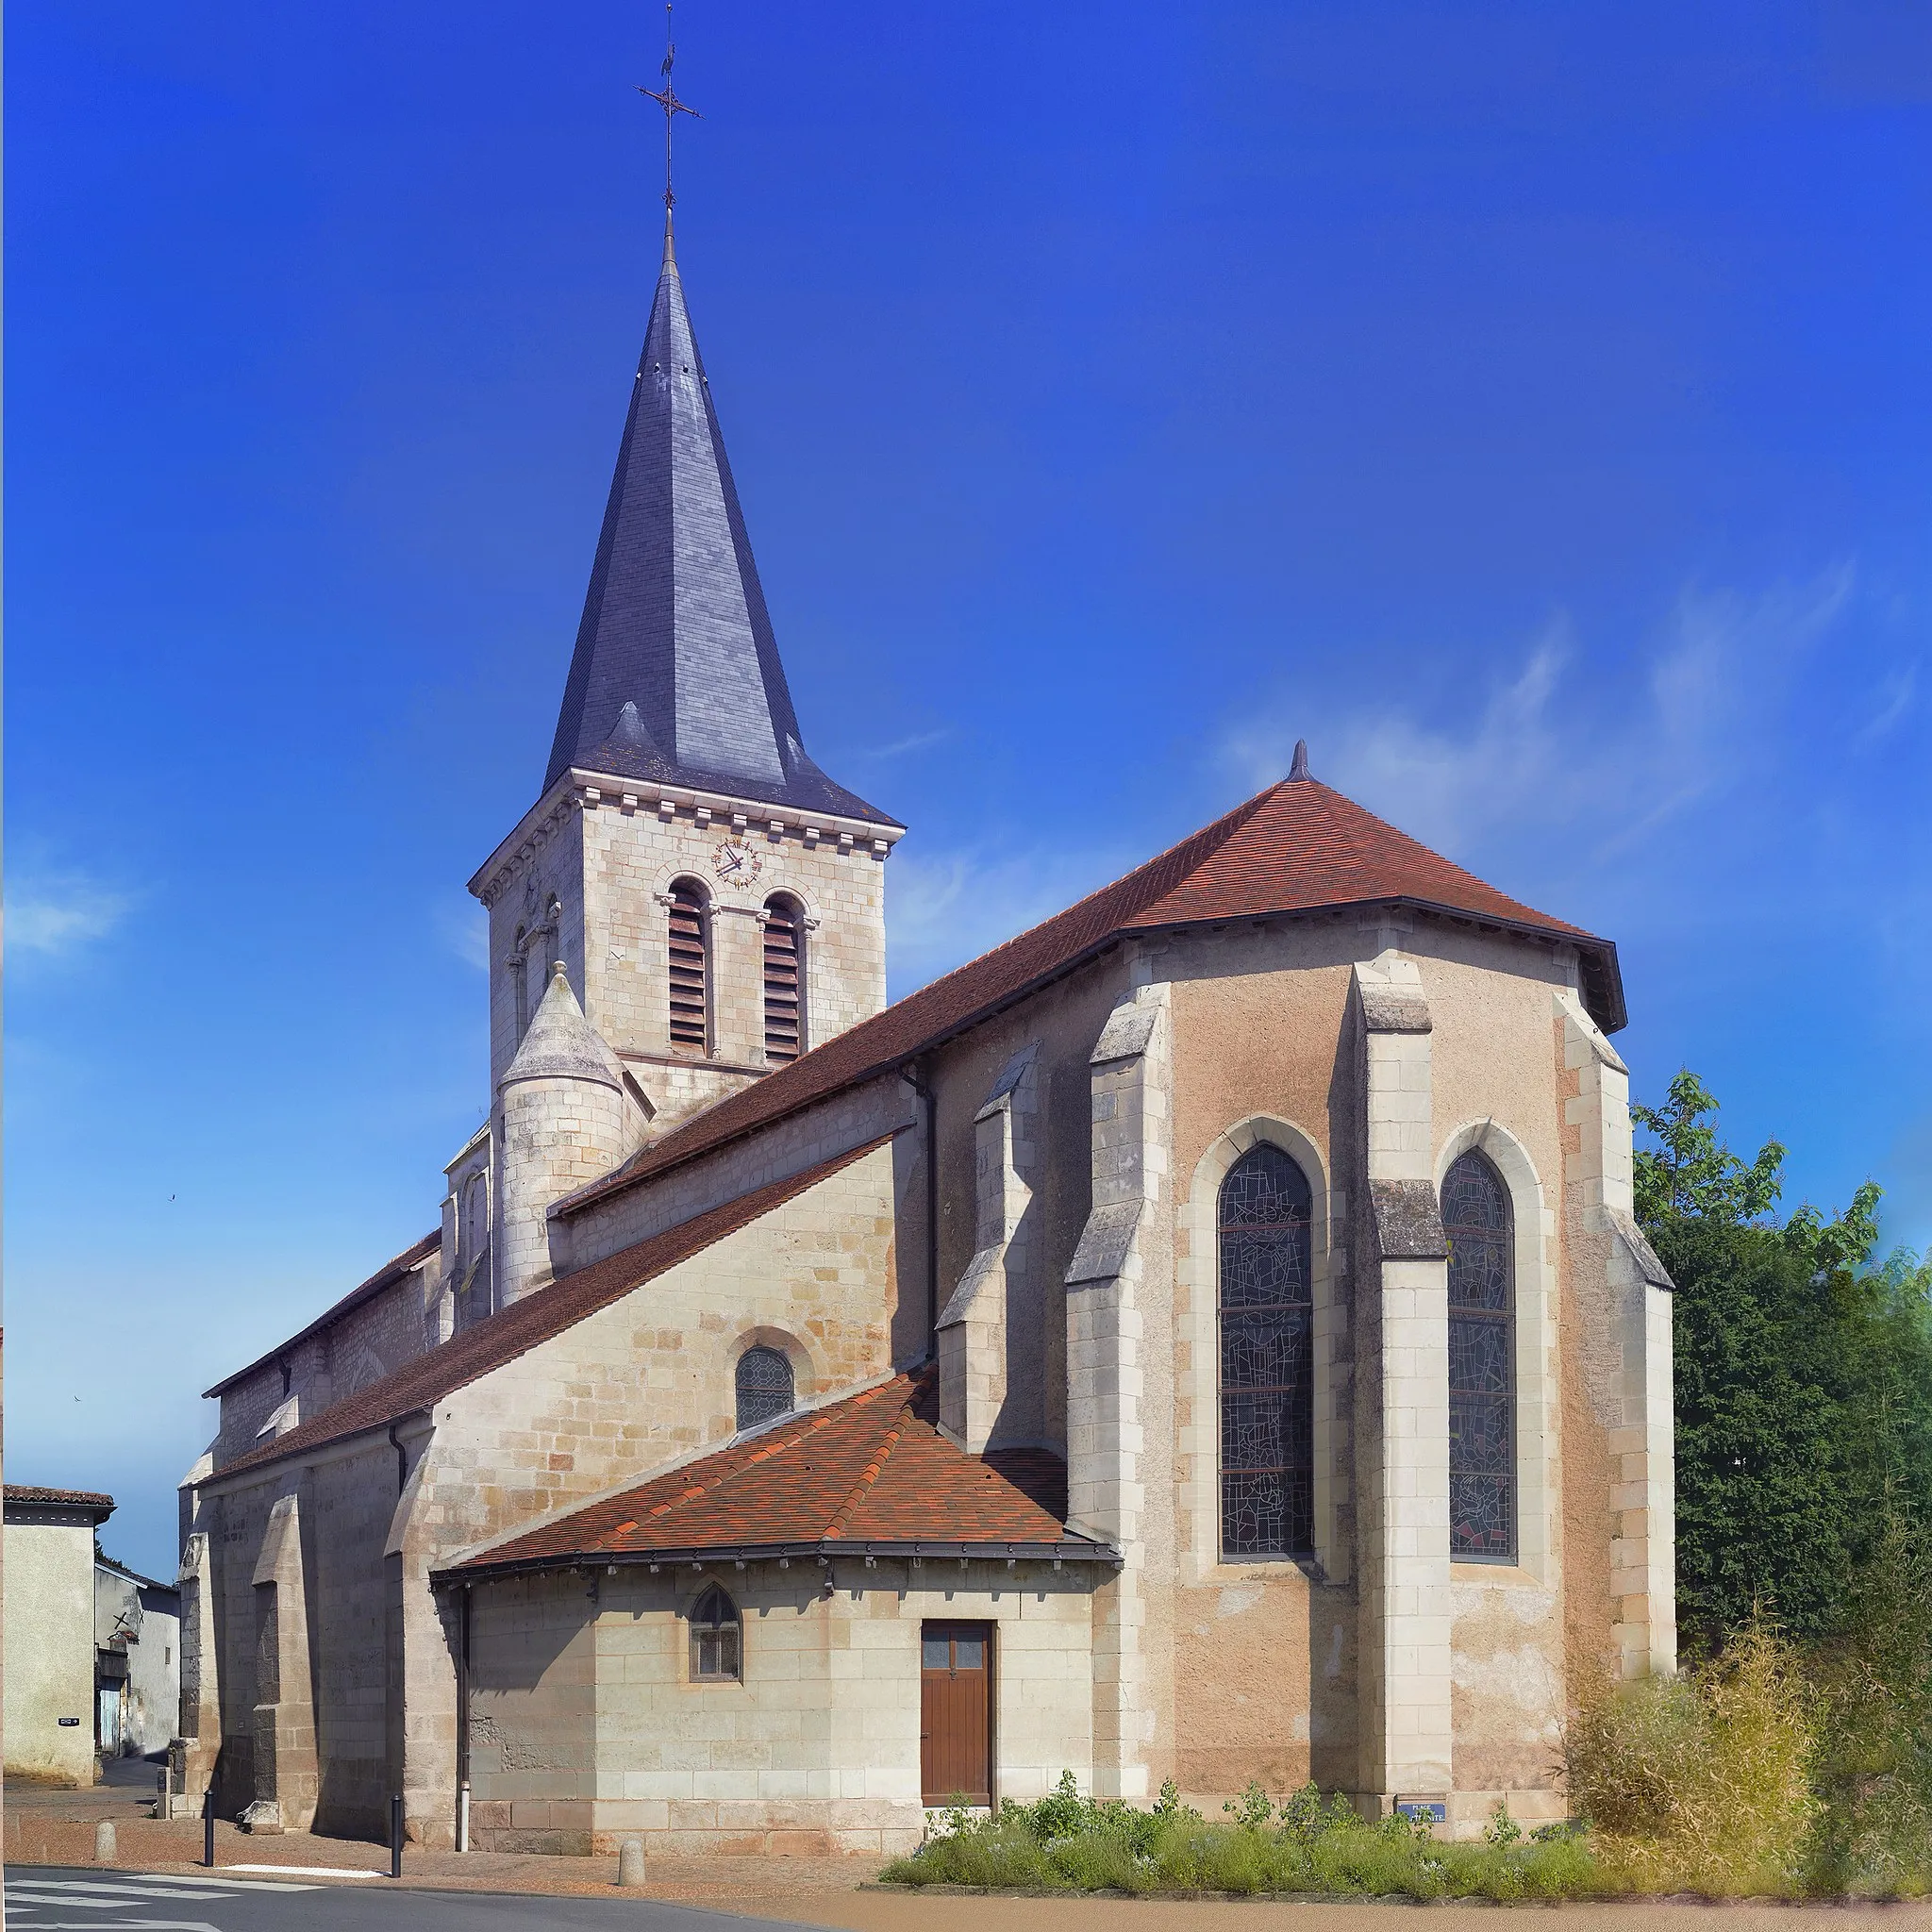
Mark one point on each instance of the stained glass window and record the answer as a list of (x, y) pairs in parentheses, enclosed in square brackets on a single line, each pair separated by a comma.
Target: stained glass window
[(764, 1387), (714, 1637), (1266, 1358), (1482, 1352)]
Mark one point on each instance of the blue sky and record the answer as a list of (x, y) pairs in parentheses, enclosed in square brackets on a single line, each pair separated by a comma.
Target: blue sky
[(1529, 406)]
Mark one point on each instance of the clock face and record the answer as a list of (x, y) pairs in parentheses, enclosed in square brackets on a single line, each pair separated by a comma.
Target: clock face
[(736, 864)]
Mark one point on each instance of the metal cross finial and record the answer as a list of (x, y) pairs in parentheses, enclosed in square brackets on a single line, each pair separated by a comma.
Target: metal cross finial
[(673, 106)]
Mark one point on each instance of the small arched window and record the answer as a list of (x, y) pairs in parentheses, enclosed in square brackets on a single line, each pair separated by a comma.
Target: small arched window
[(716, 1654), (690, 1027), (1267, 1358), (1482, 1352), (784, 979), (519, 985), (764, 1386)]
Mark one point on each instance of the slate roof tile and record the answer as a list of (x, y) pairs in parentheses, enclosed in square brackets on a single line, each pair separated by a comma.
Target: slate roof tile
[(675, 675)]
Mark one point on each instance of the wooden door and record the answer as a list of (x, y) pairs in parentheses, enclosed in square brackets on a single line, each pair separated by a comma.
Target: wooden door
[(956, 1713)]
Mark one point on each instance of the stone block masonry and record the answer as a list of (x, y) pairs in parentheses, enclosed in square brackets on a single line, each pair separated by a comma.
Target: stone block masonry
[(589, 874)]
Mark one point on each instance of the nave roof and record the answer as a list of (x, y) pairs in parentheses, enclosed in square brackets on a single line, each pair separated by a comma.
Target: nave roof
[(501, 1337), (1299, 846)]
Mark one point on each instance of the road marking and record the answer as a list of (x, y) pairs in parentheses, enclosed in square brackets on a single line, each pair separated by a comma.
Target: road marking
[(72, 1890), (180, 1884), (119, 1924), (307, 1872)]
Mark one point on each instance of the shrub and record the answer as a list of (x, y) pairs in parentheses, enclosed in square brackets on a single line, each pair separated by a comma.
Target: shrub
[(1308, 1843), (1873, 1768), (1699, 1782)]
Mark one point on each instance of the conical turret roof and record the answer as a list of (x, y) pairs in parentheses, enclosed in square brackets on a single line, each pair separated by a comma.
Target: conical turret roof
[(676, 676), (561, 1044)]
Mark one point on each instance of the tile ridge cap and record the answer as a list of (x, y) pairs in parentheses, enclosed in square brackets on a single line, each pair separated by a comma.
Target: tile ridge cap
[(869, 1476)]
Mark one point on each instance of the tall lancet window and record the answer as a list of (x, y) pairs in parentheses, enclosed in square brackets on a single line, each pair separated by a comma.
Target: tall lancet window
[(1482, 1350), (1267, 1358), (784, 979), (691, 1022)]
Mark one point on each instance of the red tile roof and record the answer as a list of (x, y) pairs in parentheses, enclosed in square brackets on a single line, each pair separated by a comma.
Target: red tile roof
[(1299, 846), (26, 1496), (536, 1318), (870, 1475), (392, 1271)]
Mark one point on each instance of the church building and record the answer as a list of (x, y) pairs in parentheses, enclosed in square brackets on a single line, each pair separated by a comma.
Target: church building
[(1204, 1339)]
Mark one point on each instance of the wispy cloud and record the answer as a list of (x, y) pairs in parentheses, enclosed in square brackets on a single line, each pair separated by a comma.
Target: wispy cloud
[(59, 915), (902, 747), (463, 928), (1895, 699), (1548, 752), (947, 907)]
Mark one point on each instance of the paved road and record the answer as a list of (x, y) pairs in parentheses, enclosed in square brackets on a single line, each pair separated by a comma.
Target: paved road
[(49, 1898)]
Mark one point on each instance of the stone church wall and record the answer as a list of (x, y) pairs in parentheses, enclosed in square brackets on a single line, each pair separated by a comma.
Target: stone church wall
[(362, 1346), (1264, 1049), (1061, 1023), (788, 1148), (586, 1726), (1258, 1019), (613, 1399)]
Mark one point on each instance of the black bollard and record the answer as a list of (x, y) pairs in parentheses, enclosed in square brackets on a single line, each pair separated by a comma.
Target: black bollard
[(395, 1836), (207, 1827)]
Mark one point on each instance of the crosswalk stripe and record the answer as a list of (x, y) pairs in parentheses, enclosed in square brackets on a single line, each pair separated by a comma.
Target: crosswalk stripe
[(175, 1885), (76, 1892), (122, 1925)]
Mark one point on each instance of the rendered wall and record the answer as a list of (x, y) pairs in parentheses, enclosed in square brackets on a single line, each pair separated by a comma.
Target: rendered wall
[(50, 1650)]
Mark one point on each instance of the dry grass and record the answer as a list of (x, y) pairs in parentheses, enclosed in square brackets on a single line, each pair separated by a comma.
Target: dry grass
[(1699, 1782)]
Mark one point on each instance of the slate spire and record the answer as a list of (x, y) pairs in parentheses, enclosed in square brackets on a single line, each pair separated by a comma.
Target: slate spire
[(675, 675)]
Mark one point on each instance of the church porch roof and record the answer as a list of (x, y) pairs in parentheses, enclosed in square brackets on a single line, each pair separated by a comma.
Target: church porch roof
[(867, 1475)]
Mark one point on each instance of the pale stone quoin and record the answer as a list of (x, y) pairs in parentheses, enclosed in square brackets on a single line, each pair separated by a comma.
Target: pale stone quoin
[(808, 1410)]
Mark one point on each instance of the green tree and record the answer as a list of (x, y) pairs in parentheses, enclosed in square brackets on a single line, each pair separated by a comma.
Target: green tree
[(1803, 1379), (1690, 1171)]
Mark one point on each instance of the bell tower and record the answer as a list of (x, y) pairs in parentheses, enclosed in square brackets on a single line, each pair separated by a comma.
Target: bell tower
[(716, 901)]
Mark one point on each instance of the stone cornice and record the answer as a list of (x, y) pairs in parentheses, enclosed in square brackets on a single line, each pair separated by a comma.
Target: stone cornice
[(580, 791)]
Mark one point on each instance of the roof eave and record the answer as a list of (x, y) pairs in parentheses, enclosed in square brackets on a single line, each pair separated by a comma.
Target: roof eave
[(1612, 1016), (825, 1550), (569, 786), (391, 1272)]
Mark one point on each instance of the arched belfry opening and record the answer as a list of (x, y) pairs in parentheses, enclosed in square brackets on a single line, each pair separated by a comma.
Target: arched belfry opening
[(784, 979), (689, 922)]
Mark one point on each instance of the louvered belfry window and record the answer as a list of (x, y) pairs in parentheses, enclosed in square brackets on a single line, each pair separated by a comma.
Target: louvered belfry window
[(1482, 1382), (691, 1029), (784, 982), (1267, 1358), (764, 1386)]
